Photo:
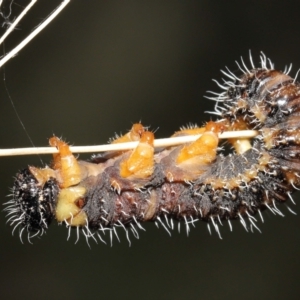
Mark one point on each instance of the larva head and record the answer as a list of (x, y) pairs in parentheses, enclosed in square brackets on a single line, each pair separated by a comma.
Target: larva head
[(33, 205)]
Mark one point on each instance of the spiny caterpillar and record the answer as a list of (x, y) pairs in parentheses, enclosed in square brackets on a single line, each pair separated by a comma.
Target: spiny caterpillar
[(185, 183)]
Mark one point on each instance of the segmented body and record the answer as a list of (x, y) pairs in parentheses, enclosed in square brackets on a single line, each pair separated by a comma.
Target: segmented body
[(234, 186)]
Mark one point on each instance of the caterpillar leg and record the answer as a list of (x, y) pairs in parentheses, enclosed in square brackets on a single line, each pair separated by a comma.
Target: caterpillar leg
[(133, 135), (204, 149), (241, 145), (190, 161), (68, 173), (65, 163), (65, 167), (140, 163), (136, 165)]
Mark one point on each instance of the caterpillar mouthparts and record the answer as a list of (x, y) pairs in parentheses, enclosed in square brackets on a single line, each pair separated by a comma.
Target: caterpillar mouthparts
[(187, 183)]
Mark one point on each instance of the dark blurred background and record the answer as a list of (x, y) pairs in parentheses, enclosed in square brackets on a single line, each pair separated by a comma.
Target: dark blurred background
[(98, 68)]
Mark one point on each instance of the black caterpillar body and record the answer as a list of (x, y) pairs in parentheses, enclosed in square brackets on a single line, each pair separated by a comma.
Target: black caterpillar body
[(236, 186)]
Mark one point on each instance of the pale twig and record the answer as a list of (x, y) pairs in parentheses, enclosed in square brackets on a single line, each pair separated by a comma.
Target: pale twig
[(52, 16), (167, 142), (17, 20), (85, 149)]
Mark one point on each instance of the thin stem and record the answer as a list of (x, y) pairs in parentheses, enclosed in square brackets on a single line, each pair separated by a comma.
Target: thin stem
[(167, 142), (13, 52), (16, 22)]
